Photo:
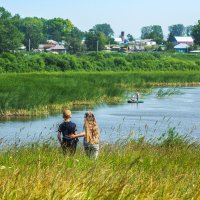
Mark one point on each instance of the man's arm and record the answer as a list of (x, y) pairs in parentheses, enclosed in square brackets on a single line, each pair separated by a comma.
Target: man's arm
[(59, 137)]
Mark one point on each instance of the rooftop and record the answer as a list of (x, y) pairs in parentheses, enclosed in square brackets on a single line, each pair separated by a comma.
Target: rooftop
[(184, 39), (181, 46), (57, 47)]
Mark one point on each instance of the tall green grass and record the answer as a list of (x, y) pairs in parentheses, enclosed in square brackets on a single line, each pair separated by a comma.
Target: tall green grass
[(43, 91), (168, 92), (135, 169)]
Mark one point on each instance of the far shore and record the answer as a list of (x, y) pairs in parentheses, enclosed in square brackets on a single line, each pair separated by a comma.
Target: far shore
[(78, 104)]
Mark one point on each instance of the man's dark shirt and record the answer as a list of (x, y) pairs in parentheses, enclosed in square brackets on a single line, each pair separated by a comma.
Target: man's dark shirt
[(67, 128)]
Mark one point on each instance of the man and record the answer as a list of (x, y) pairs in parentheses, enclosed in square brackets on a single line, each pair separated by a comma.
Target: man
[(67, 128), (137, 96)]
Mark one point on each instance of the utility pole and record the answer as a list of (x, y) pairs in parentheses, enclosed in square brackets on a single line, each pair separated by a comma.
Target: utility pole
[(97, 46), (29, 45)]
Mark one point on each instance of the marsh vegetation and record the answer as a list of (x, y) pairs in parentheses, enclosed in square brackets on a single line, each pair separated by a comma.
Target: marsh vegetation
[(42, 93)]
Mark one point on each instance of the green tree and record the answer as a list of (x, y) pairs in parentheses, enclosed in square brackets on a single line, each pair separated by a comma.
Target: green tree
[(73, 41), (130, 37), (10, 37), (95, 40), (153, 32), (57, 28), (145, 32), (104, 28), (188, 30), (170, 37), (32, 28), (169, 43), (196, 33), (111, 40), (177, 29)]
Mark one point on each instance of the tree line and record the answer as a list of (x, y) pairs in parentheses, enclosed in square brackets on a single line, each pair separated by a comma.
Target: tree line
[(92, 61), (32, 31)]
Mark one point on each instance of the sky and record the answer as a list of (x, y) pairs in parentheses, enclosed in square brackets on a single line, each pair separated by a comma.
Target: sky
[(125, 15)]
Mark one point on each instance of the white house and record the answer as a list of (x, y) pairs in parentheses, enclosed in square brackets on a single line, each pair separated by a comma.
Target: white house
[(149, 42), (145, 42), (119, 40)]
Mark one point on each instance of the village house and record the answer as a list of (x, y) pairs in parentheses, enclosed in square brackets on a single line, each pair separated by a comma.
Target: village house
[(57, 49), (43, 47), (52, 42), (119, 40), (52, 46), (181, 48), (135, 48), (145, 42), (183, 40), (149, 42)]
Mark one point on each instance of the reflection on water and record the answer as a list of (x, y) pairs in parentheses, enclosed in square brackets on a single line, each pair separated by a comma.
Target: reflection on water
[(151, 119)]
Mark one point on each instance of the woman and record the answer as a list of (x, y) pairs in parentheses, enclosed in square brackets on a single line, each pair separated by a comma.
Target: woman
[(91, 136)]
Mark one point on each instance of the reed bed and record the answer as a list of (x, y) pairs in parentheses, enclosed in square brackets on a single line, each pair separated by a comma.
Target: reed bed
[(168, 92), (131, 169), (43, 93)]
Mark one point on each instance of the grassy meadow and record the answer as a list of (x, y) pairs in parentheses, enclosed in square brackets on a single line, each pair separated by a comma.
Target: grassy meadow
[(131, 169), (164, 168), (42, 93)]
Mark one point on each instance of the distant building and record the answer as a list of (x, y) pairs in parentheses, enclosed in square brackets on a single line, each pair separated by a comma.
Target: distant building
[(182, 48), (57, 49), (195, 51), (145, 42), (52, 42), (162, 47), (135, 48), (22, 48), (123, 35), (119, 40), (43, 47), (139, 48), (115, 48), (149, 42), (123, 49), (183, 40)]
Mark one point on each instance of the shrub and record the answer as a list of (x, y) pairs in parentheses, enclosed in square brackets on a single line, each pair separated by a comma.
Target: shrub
[(19, 62), (171, 138)]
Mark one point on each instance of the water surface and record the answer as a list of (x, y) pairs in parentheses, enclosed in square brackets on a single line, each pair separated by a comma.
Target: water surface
[(152, 118)]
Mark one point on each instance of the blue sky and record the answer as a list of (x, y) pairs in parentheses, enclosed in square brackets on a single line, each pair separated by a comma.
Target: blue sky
[(127, 15)]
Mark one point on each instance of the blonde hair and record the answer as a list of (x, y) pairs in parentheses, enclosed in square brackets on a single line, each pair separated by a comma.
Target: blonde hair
[(91, 128), (66, 114)]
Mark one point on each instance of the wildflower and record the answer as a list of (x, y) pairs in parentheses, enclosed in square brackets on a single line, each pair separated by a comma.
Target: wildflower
[(2, 167)]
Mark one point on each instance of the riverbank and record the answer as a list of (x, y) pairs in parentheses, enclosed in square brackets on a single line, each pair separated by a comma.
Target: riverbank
[(57, 108), (35, 94), (131, 169)]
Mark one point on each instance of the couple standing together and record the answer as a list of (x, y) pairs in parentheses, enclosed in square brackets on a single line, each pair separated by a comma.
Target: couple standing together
[(68, 137)]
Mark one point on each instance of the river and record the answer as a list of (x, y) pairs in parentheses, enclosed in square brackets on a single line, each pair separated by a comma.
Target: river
[(151, 119)]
